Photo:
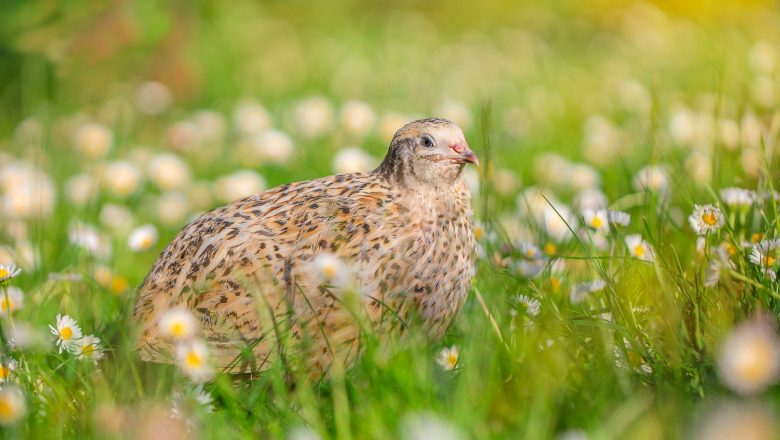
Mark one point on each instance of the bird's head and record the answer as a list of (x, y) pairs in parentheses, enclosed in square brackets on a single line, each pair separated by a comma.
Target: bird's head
[(427, 152)]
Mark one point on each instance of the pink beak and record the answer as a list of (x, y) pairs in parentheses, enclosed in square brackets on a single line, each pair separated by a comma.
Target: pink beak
[(466, 154)]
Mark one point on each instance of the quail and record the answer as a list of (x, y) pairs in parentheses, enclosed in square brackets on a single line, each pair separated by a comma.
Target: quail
[(247, 271)]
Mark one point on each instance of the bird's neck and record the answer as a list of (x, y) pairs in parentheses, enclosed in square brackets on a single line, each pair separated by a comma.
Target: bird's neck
[(402, 174), (453, 198), (396, 168)]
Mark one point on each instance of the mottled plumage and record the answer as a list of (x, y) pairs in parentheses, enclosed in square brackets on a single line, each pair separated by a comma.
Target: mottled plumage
[(245, 269)]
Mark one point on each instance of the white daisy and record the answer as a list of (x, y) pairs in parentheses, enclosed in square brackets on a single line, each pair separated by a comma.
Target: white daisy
[(701, 245), (618, 218), (767, 196), (192, 358), (357, 118), (8, 271), (122, 178), (720, 261), (23, 336), (272, 146), (482, 235), (251, 118), (591, 198), (652, 178), (7, 367), (738, 419), (633, 358), (142, 238), (764, 255), (428, 426), (239, 184), (88, 348), (737, 197), (352, 160), (639, 248), (193, 399), (559, 222), (749, 359), (332, 270), (11, 299), (557, 273), (12, 405), (178, 324), (479, 230), (448, 358), (204, 398), (529, 251), (90, 239), (596, 219), (530, 305), (169, 172), (182, 136), (94, 140), (706, 219), (81, 189), (583, 176), (210, 127), (314, 116), (598, 239), (116, 218), (580, 291), (153, 98), (172, 208), (303, 433), (66, 330), (528, 268)]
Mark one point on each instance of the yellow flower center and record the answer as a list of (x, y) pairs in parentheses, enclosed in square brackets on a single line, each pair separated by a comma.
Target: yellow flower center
[(550, 248), (731, 249), (146, 241), (596, 222), (709, 218), (66, 333), (639, 250), (88, 350), (6, 411), (479, 233), (119, 284), (177, 329), (769, 260), (4, 372), (193, 360), (635, 359), (524, 305), (452, 359), (530, 253), (4, 273), (555, 283), (755, 361), (755, 238), (329, 270), (6, 304)]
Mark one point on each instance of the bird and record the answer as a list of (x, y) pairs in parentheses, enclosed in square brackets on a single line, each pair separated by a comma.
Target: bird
[(248, 271)]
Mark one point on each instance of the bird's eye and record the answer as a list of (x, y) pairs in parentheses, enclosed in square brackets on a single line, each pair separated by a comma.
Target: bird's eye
[(427, 141)]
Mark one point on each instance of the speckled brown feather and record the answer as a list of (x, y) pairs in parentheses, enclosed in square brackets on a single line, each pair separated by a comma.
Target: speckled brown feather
[(243, 269)]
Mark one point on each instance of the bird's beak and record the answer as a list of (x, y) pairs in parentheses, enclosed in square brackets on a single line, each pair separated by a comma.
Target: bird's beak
[(466, 155), (470, 157)]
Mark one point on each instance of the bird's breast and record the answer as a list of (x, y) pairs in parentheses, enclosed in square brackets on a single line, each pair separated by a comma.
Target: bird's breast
[(431, 265)]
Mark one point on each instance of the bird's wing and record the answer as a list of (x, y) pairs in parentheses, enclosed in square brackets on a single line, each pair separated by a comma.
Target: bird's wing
[(241, 267)]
